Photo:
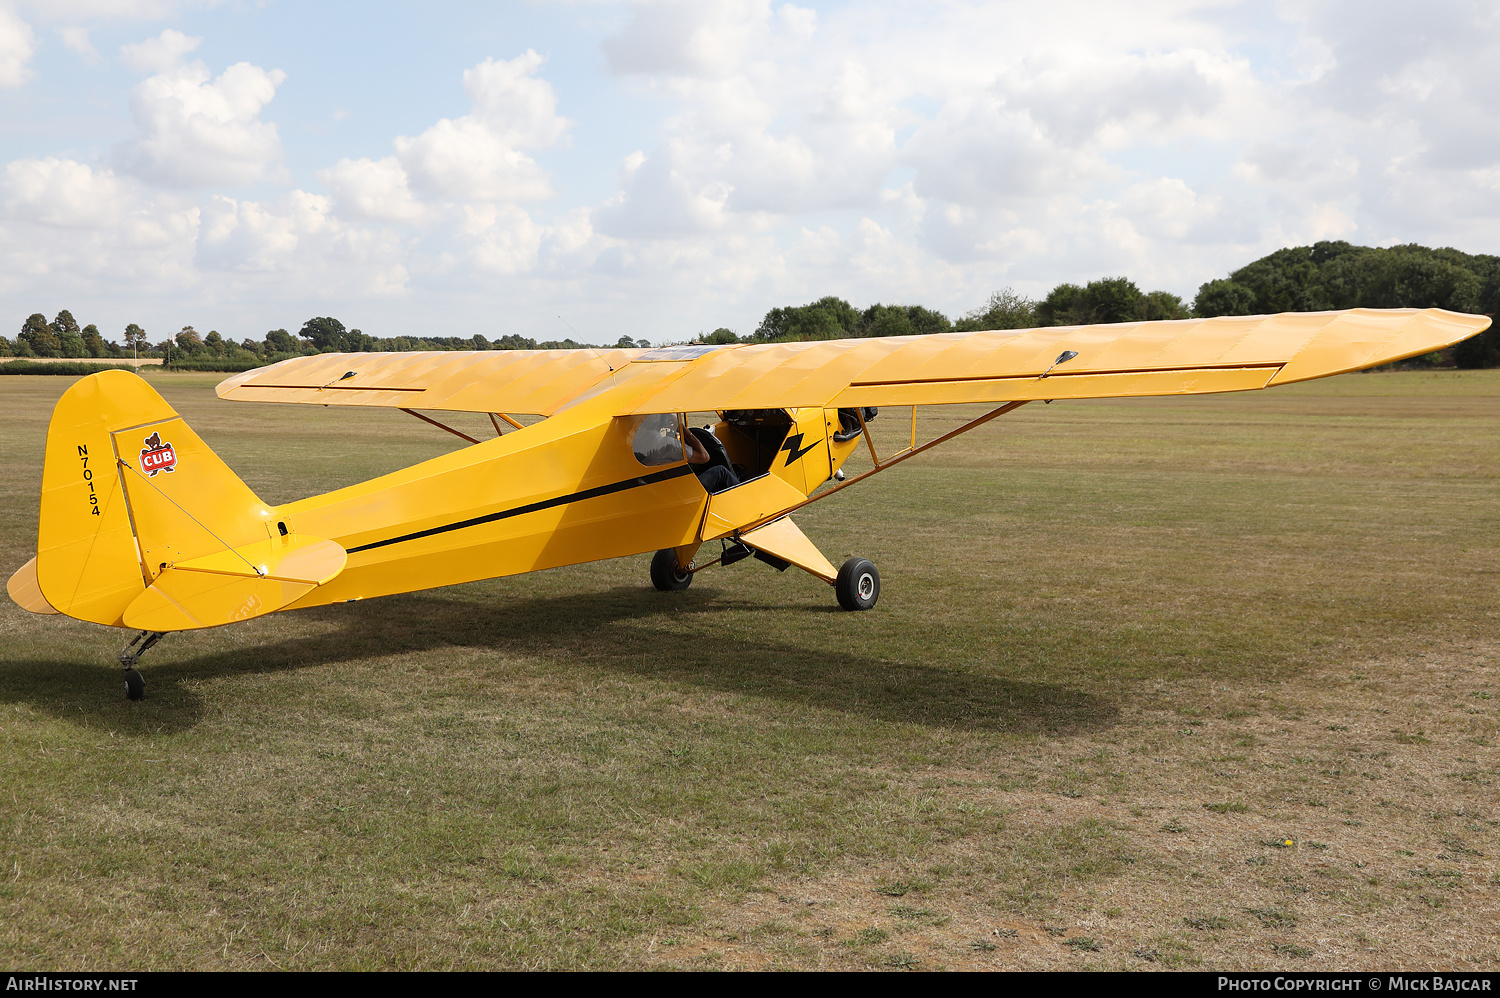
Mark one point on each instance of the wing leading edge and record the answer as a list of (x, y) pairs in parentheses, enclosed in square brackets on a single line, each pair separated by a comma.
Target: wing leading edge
[(1187, 356)]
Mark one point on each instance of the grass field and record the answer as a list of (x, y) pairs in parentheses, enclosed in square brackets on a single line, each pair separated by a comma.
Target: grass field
[(1188, 683)]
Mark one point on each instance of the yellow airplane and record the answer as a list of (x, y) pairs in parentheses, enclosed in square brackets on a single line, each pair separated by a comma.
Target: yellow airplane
[(142, 526)]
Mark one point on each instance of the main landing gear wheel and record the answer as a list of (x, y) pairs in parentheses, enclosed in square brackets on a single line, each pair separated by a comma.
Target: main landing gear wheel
[(858, 584), (666, 576), (135, 686)]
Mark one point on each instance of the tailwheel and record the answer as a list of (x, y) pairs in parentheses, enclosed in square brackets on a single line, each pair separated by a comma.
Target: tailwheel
[(665, 573), (144, 641), (858, 584)]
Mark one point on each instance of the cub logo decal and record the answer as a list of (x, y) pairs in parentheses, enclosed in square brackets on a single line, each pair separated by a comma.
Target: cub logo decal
[(157, 456)]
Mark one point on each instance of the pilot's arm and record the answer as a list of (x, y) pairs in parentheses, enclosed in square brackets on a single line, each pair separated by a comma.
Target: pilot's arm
[(697, 453)]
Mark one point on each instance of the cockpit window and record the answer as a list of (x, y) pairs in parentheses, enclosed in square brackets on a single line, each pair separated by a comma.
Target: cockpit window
[(658, 440)]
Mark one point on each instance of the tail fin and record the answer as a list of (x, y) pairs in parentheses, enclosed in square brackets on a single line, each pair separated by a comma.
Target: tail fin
[(143, 526)]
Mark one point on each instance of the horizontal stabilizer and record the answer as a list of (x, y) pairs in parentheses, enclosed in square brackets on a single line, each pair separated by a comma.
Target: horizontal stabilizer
[(25, 591), (235, 584)]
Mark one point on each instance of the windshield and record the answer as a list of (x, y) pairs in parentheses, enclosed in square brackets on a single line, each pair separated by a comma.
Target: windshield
[(658, 440)]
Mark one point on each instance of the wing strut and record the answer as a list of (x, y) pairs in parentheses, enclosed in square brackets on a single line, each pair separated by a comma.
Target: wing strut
[(890, 462), (445, 426)]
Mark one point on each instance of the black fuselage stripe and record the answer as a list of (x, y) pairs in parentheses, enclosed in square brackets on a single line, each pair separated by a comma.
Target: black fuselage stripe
[(504, 514)]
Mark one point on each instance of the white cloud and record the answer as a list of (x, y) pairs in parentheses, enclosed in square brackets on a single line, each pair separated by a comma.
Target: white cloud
[(77, 40), (196, 131), (61, 193), (663, 199), (479, 157), (123, 10), (373, 189), (297, 239), (160, 54), (503, 238), (879, 151), (66, 224), (694, 37), (17, 43)]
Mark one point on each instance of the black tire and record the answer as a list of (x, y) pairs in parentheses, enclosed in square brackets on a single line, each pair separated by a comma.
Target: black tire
[(858, 584), (135, 686), (666, 576)]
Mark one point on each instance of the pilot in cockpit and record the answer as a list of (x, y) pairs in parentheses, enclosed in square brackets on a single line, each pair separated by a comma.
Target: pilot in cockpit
[(714, 476)]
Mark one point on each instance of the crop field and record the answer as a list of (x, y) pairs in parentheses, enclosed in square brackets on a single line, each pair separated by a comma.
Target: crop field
[(1153, 684)]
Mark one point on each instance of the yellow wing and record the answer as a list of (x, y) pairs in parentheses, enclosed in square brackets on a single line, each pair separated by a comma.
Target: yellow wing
[(1228, 353), (1188, 356), (521, 381)]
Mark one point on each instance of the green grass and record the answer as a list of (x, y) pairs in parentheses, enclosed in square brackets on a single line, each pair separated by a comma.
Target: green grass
[(1275, 612)]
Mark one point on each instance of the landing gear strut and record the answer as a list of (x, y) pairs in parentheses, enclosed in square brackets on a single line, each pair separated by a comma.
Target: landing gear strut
[(135, 686)]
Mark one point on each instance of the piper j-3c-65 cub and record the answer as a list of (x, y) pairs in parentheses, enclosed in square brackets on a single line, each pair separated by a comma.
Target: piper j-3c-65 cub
[(143, 527)]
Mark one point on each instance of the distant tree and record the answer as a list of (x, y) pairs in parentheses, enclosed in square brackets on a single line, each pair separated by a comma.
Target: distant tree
[(327, 334), (719, 337), (1223, 297), (214, 343), (38, 336), (1162, 305), (69, 336), (1113, 299), (1065, 305), (625, 343), (816, 324), (885, 320), (513, 341), (774, 326), (825, 319), (1109, 299), (252, 346), (135, 338), (1337, 274), (1482, 350), (1288, 280), (1004, 310), (93, 343), (280, 341), (188, 341), (1415, 277), (643, 344), (926, 320), (1479, 351), (1325, 250)]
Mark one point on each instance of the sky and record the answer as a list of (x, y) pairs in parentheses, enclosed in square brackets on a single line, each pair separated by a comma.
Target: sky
[(659, 169)]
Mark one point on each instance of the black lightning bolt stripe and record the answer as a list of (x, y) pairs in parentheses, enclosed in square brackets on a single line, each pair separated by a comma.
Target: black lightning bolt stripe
[(791, 445), (505, 514)]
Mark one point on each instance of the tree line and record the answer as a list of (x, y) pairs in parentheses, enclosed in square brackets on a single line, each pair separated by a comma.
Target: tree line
[(62, 337), (1325, 275)]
